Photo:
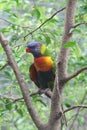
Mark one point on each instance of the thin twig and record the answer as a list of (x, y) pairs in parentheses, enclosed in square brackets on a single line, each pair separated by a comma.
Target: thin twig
[(11, 97), (13, 23), (75, 74), (1, 68), (44, 22), (78, 110), (18, 45), (75, 26), (74, 107), (32, 94)]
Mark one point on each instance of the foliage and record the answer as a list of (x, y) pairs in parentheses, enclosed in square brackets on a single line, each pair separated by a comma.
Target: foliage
[(18, 18)]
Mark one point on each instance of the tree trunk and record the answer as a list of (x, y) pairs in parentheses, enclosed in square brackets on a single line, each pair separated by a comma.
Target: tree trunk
[(54, 121)]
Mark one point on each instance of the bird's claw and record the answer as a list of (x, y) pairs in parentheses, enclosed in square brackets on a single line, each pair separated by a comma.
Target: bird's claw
[(41, 91)]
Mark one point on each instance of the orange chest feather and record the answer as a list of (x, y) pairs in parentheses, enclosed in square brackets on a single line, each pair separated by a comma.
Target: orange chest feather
[(43, 63)]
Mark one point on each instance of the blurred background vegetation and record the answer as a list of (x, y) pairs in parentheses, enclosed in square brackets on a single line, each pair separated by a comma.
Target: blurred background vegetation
[(17, 19)]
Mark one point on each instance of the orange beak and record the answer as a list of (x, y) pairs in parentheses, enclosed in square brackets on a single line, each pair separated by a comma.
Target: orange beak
[(28, 50)]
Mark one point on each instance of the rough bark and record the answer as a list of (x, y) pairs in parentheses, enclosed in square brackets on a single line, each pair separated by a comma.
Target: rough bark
[(64, 52), (21, 83), (56, 111), (54, 122)]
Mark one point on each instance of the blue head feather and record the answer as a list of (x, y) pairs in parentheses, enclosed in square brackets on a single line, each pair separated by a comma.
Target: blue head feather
[(32, 44), (35, 48)]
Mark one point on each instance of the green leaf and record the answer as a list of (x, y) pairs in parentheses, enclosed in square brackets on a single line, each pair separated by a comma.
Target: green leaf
[(7, 10), (77, 50), (3, 30), (8, 104), (4, 1), (69, 44), (8, 74), (67, 105), (36, 13), (10, 12), (81, 120), (48, 40), (20, 111), (53, 20), (17, 2), (77, 30)]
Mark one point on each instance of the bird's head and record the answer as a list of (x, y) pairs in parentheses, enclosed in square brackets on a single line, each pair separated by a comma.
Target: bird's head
[(37, 49)]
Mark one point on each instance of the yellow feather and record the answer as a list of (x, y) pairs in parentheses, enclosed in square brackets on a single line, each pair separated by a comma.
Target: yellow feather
[(43, 48)]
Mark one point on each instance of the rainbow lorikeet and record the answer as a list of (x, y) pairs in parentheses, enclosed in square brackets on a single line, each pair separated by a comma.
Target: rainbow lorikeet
[(42, 70)]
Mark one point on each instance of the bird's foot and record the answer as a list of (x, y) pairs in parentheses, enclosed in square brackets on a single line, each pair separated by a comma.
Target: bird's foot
[(46, 90), (41, 91)]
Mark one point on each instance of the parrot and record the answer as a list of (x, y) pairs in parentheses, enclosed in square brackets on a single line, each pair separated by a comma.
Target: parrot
[(42, 70)]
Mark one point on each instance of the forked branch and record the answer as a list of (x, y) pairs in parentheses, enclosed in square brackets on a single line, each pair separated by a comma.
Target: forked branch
[(16, 98), (44, 22), (1, 68), (75, 73), (83, 23), (74, 107), (22, 84)]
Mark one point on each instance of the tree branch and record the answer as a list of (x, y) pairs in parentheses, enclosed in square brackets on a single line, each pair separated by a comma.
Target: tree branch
[(15, 99), (44, 22), (74, 107), (64, 52), (77, 112), (56, 110), (1, 68), (75, 74), (75, 26), (39, 92), (61, 69), (22, 84)]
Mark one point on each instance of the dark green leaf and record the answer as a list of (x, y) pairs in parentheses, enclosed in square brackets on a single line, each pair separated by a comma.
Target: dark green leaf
[(48, 40), (53, 20), (77, 30), (36, 13), (4, 30), (8, 104), (8, 74), (67, 104), (20, 111), (17, 1), (15, 15), (7, 10)]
